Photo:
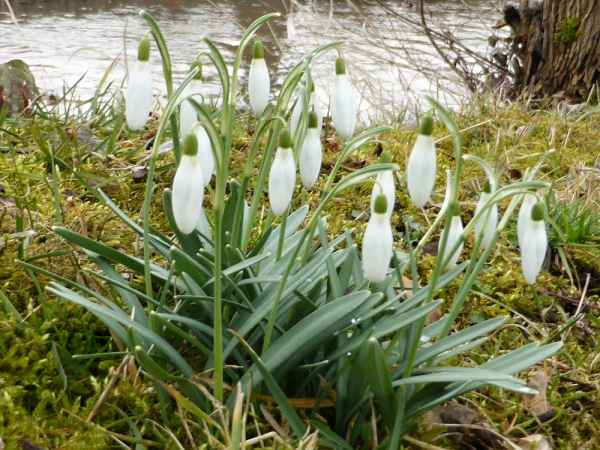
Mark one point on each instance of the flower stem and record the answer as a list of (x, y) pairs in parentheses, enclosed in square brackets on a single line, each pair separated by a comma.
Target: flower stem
[(281, 235)]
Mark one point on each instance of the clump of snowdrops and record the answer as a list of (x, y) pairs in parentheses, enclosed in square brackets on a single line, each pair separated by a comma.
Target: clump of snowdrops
[(230, 303)]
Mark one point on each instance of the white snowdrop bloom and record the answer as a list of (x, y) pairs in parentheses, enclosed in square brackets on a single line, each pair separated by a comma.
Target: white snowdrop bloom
[(421, 167), (282, 176), (188, 187), (206, 158), (138, 97), (454, 236), (311, 154), (485, 227), (313, 105), (344, 105), (533, 242), (188, 117), (378, 242), (259, 83), (385, 185), (529, 201)]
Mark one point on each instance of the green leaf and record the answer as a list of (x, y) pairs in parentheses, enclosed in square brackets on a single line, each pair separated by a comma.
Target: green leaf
[(374, 369), (133, 263), (278, 395), (311, 331), (122, 320)]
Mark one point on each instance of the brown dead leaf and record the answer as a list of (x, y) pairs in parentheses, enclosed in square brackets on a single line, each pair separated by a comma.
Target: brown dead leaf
[(538, 405)]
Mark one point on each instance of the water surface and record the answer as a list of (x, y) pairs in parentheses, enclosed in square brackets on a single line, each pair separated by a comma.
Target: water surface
[(62, 40)]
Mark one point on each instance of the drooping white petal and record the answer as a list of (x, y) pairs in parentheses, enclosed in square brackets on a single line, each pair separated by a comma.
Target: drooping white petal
[(188, 193), (313, 105), (205, 156), (485, 228), (377, 247), (259, 86), (524, 218), (188, 116), (282, 180), (420, 170), (533, 249), (344, 107), (310, 157), (454, 235), (138, 97), (385, 184)]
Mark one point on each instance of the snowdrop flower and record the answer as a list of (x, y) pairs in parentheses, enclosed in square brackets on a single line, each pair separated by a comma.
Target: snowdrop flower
[(420, 171), (344, 109), (485, 227), (454, 236), (385, 185), (259, 83), (311, 153), (205, 154), (378, 242), (138, 97), (313, 104), (282, 177), (533, 240), (529, 201), (188, 116), (188, 187)]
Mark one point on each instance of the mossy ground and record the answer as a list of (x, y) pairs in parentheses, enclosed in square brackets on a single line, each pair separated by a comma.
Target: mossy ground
[(46, 394)]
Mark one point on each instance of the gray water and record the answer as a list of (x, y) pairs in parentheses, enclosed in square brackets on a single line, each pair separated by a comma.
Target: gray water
[(392, 64)]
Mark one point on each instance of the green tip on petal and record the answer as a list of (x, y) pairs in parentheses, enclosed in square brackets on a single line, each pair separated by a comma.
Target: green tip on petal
[(285, 140), (537, 212), (311, 86), (487, 188), (386, 157), (454, 209), (259, 50), (340, 66), (144, 49), (426, 125), (190, 145), (313, 120), (380, 206), (198, 65)]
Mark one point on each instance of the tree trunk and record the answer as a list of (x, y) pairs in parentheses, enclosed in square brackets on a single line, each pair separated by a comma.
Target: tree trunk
[(556, 44)]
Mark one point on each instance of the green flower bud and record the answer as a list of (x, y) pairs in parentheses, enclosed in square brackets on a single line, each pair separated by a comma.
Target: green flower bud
[(259, 50), (194, 65), (285, 140), (454, 209), (144, 49), (190, 145), (313, 120), (538, 211), (380, 206), (340, 66), (426, 125)]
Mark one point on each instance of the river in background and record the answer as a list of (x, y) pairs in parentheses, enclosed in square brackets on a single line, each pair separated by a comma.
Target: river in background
[(63, 40)]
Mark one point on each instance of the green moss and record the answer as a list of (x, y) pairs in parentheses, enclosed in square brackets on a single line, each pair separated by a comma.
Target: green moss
[(34, 403), (568, 30)]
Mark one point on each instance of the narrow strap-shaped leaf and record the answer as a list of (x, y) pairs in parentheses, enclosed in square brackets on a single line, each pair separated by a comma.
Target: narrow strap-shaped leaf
[(279, 396)]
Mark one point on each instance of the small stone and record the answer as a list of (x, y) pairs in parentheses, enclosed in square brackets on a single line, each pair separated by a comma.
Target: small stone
[(139, 173), (17, 86)]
